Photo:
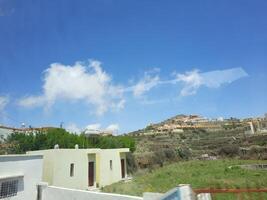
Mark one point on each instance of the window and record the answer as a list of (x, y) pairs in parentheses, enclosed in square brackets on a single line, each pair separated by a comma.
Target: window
[(72, 169), (8, 189), (110, 164)]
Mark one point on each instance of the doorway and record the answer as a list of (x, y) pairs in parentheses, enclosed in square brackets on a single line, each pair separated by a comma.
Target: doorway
[(122, 168), (91, 175)]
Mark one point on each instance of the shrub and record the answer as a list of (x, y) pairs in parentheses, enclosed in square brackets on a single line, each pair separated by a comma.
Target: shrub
[(183, 153), (229, 150), (131, 163)]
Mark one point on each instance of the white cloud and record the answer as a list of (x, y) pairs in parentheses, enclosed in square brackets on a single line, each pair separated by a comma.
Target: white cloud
[(73, 128), (150, 80), (4, 100), (93, 126), (114, 128), (32, 101), (78, 82), (193, 80)]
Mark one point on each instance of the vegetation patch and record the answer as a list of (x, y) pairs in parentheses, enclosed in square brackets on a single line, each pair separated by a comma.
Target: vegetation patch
[(22, 142), (200, 174)]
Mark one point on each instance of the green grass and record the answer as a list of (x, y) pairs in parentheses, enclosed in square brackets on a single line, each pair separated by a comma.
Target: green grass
[(200, 174)]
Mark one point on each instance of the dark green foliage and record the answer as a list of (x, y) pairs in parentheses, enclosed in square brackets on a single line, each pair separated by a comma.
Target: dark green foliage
[(229, 150), (131, 163), (184, 153), (22, 142)]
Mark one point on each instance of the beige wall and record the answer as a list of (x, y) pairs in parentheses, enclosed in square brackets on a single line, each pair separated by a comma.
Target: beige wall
[(57, 166), (107, 175)]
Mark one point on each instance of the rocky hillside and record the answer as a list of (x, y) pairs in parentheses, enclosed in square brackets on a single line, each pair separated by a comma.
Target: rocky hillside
[(155, 145)]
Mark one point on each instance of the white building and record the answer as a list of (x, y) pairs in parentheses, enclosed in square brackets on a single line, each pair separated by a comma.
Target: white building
[(19, 176)]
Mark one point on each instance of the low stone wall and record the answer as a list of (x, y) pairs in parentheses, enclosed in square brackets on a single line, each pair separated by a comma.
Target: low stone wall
[(57, 193)]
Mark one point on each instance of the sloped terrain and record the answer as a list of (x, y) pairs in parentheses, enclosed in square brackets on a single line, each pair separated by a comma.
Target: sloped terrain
[(200, 144)]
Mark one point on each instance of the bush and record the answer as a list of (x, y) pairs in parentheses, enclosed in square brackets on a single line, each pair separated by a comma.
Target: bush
[(131, 163), (170, 154), (184, 153), (229, 150)]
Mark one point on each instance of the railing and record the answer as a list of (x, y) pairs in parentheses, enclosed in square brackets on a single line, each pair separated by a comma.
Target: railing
[(239, 193)]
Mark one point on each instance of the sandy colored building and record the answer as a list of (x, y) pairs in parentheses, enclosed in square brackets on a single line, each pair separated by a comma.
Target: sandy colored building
[(83, 168)]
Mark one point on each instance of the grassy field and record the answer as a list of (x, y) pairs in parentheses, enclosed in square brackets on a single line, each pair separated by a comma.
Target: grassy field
[(200, 174)]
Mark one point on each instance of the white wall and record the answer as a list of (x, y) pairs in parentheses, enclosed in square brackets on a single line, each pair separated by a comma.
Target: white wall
[(28, 166), (57, 193)]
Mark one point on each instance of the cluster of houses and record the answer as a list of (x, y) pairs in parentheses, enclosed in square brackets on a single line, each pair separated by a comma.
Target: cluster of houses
[(180, 123)]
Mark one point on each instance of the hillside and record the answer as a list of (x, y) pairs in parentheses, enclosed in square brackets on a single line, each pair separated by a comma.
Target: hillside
[(198, 138)]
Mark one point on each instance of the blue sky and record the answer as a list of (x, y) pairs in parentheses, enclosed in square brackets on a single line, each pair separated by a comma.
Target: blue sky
[(123, 64)]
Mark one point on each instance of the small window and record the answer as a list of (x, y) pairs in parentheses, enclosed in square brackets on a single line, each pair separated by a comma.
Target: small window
[(8, 189), (72, 169), (110, 164)]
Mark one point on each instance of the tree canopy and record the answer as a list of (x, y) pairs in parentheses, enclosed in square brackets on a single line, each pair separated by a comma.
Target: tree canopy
[(22, 142)]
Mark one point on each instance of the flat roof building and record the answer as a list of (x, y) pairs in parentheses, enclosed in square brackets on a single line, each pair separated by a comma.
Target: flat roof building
[(19, 176), (83, 168)]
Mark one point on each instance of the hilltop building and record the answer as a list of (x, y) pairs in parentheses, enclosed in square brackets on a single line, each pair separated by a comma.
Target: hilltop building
[(19, 175), (83, 168)]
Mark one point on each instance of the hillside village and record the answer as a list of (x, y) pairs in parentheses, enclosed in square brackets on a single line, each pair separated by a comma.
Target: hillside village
[(180, 123), (196, 137)]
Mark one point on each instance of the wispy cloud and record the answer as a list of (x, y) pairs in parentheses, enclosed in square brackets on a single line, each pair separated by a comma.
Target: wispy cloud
[(193, 80), (4, 100), (150, 80), (78, 82)]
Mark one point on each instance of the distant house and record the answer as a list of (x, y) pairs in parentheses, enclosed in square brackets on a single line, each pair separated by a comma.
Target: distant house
[(83, 168), (19, 176)]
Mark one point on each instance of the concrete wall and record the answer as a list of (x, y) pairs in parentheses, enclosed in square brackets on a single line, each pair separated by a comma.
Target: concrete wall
[(57, 193), (27, 169)]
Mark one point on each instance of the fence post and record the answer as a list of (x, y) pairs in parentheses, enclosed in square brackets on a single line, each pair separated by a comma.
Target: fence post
[(40, 187)]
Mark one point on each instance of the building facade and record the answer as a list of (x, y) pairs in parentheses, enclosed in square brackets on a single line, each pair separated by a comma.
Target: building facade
[(19, 176), (83, 168)]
